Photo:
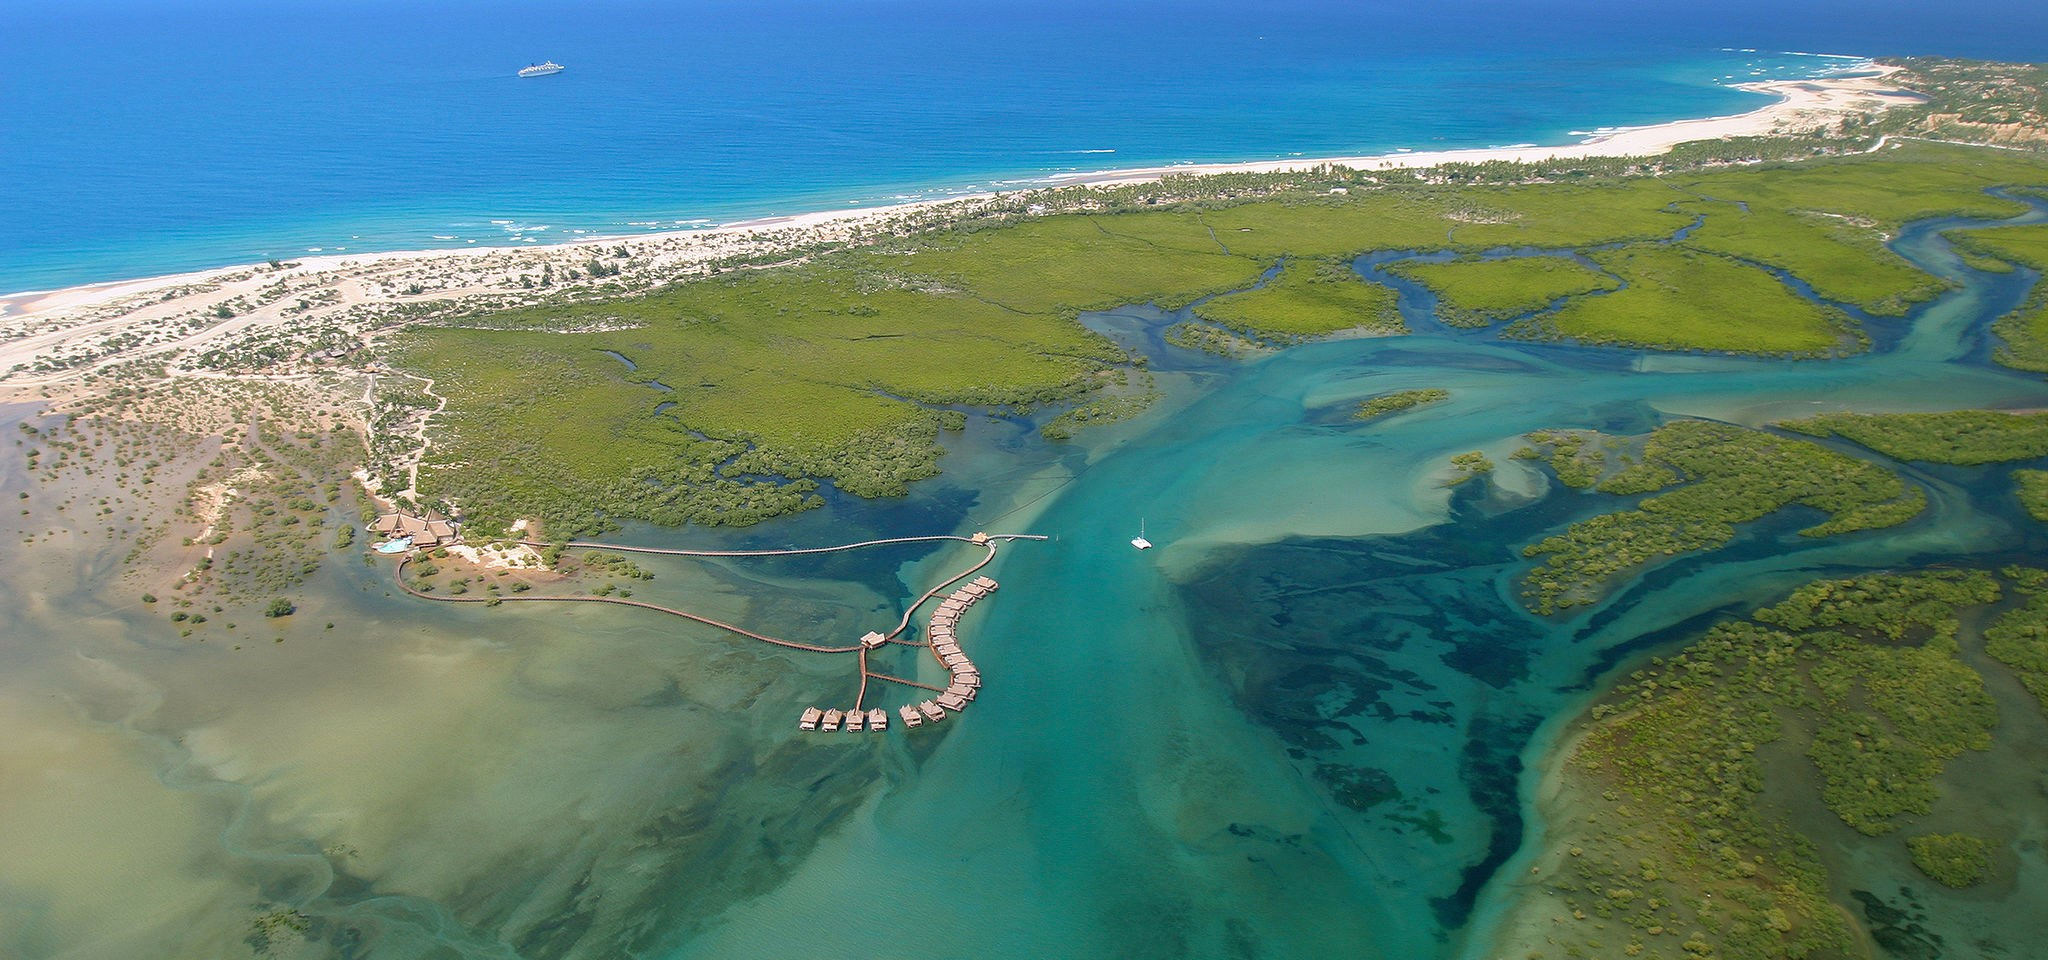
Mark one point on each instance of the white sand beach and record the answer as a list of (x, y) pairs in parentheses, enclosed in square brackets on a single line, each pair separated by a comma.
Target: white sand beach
[(50, 337)]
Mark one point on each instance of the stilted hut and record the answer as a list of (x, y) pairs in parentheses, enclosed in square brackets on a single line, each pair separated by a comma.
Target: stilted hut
[(832, 718), (878, 719), (810, 718)]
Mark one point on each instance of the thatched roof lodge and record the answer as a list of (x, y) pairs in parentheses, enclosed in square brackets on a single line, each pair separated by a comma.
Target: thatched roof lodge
[(430, 530)]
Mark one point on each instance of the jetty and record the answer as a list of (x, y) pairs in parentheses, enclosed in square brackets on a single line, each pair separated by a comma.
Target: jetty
[(941, 638)]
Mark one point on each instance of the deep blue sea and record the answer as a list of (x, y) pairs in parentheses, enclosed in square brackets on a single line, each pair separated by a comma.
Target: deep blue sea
[(150, 137)]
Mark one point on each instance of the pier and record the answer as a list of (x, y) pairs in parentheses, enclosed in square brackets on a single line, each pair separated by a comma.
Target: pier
[(941, 638)]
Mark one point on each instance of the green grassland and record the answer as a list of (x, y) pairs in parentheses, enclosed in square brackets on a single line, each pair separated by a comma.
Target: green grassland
[(1958, 436), (1478, 293), (2025, 330), (1845, 255), (776, 376), (1437, 217), (1678, 299), (1677, 840), (1309, 298), (1387, 404), (846, 367), (1825, 223), (1063, 264), (1717, 476)]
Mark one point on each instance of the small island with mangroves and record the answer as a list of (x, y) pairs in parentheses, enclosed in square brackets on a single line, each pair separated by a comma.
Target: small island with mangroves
[(1641, 545)]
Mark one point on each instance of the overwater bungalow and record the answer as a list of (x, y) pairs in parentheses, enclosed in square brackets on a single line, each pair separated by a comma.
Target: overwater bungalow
[(911, 717), (985, 583), (810, 719), (951, 702), (966, 678), (931, 711), (856, 720), (832, 718), (878, 719), (961, 690)]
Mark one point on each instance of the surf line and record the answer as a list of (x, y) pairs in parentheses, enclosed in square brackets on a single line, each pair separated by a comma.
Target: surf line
[(940, 638)]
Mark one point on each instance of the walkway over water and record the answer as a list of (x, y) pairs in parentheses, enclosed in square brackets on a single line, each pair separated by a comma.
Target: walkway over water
[(940, 639)]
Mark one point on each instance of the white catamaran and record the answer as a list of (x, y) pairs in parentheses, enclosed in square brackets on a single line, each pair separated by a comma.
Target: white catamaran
[(1139, 541)]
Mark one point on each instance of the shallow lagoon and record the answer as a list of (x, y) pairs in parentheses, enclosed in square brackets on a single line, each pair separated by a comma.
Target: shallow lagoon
[(1308, 725)]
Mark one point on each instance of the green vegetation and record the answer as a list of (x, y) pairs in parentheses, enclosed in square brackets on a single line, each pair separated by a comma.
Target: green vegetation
[(280, 607), (1126, 401), (1574, 456), (2024, 331), (1201, 336), (1959, 436), (1952, 859), (1679, 299), (2019, 638), (1842, 252), (1391, 403), (2032, 487), (613, 565), (778, 377), (1057, 265), (1725, 475), (1477, 293), (1895, 702), (1469, 465), (1825, 223), (1461, 218), (1308, 299), (1677, 838), (836, 367)]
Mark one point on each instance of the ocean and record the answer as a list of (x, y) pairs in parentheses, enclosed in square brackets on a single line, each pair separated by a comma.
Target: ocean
[(147, 137)]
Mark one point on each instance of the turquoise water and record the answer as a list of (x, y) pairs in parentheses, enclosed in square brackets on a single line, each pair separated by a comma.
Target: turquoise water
[(1299, 728), (1308, 724), (154, 138)]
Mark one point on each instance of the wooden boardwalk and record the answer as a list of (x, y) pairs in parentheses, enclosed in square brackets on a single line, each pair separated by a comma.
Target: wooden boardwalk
[(940, 639)]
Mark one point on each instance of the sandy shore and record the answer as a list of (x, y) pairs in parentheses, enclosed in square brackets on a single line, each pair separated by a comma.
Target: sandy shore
[(47, 337)]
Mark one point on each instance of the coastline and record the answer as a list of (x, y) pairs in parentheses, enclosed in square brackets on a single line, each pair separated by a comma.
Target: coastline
[(43, 325)]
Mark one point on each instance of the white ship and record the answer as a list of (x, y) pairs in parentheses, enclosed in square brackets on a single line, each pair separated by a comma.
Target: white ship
[(1139, 541), (540, 69)]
